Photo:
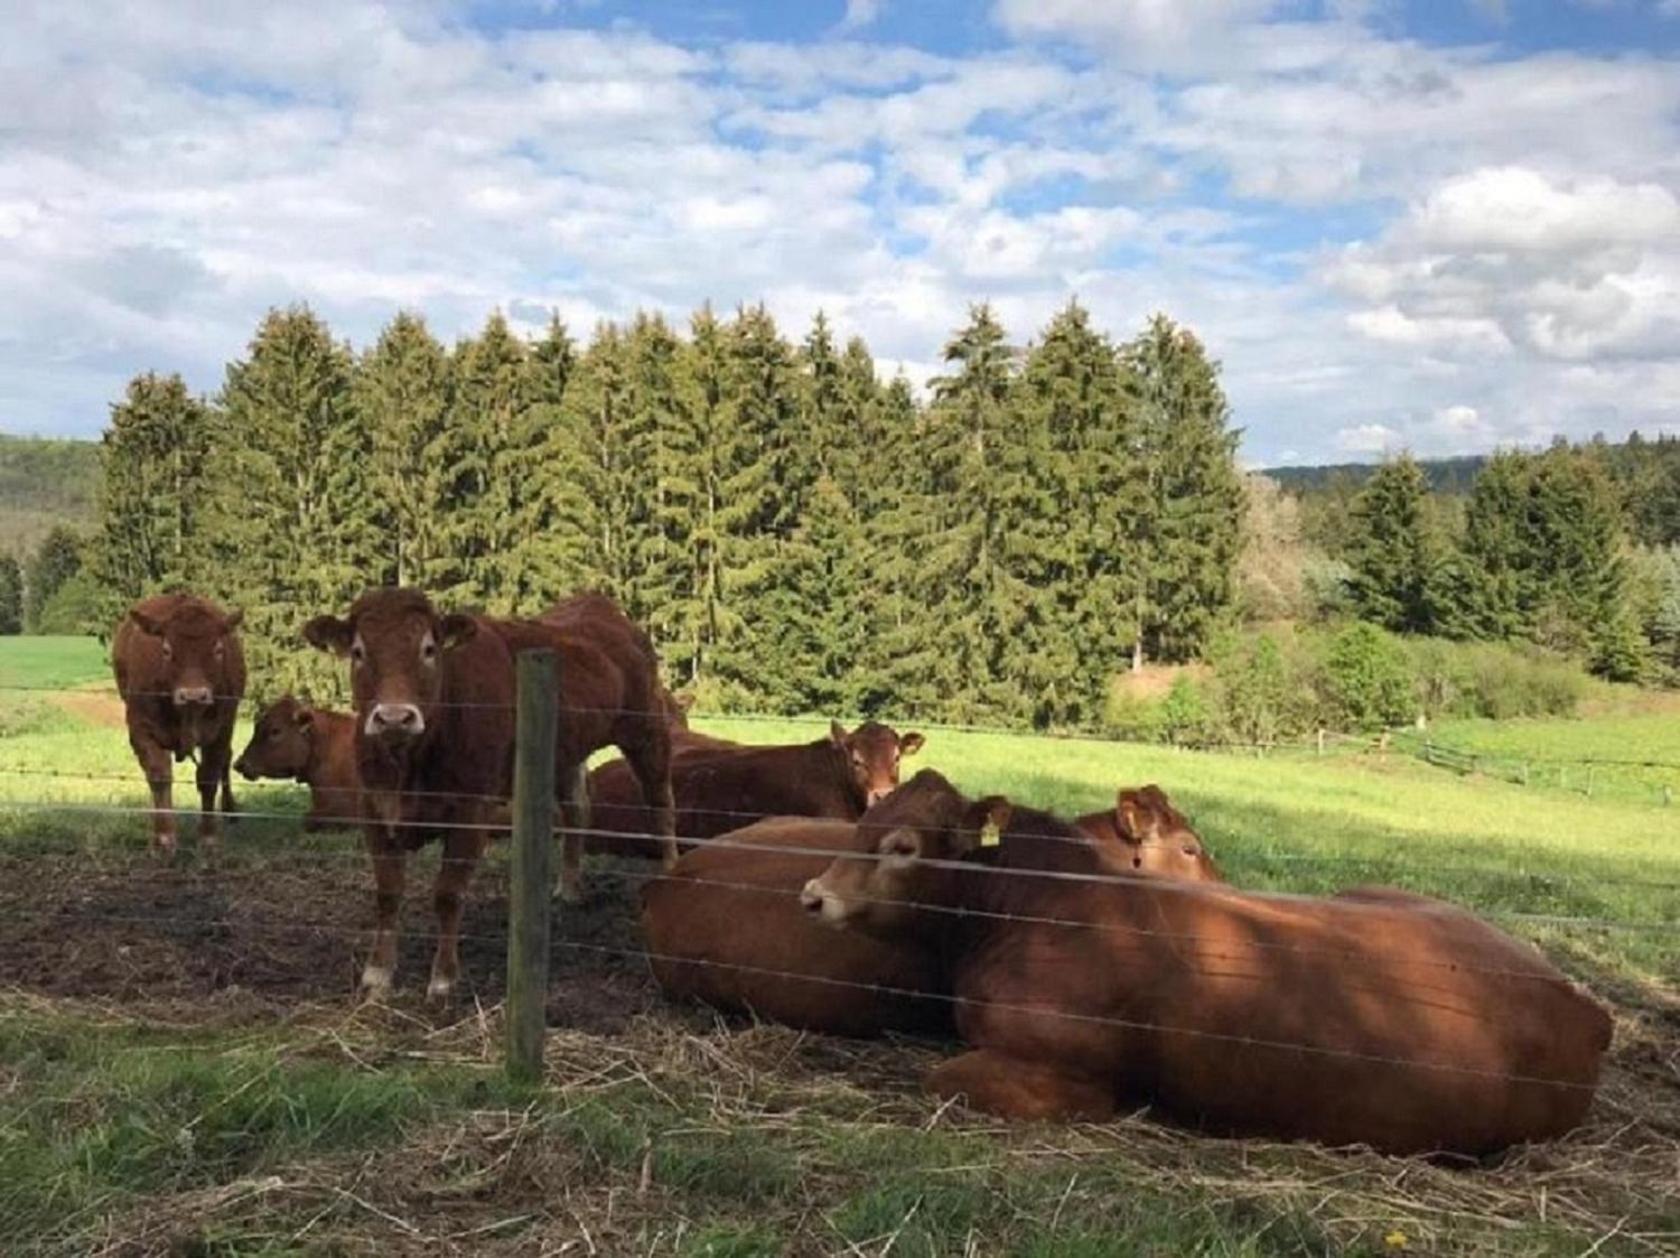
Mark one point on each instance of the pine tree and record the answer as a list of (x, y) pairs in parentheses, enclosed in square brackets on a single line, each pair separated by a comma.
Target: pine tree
[(290, 513), (153, 492), (401, 392), (485, 453), (1394, 551), (11, 596), (1073, 388), (766, 483), (1185, 527), (700, 448), (56, 560), (1498, 597), (976, 554)]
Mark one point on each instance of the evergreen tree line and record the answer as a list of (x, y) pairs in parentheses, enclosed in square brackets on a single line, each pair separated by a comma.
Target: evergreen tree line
[(795, 533), (1542, 550)]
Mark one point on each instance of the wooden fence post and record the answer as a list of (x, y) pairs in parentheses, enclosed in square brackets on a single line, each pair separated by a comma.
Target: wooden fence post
[(533, 839), (1321, 742)]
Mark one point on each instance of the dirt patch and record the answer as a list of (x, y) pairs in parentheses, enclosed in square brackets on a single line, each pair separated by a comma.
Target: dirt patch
[(96, 707), (278, 930)]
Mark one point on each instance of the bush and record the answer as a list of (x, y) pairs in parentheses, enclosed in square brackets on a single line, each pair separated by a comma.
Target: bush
[(76, 606), (1462, 679), (1184, 716), (1370, 678)]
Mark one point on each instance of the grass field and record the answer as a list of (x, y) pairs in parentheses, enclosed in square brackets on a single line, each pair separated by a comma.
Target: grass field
[(1634, 757), (182, 1067)]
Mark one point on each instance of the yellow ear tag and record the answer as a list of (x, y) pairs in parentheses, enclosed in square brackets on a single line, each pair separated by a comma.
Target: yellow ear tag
[(989, 834)]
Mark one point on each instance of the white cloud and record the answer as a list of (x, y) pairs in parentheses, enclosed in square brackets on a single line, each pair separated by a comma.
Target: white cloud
[(1498, 259), (1566, 269), (861, 13), (1367, 439)]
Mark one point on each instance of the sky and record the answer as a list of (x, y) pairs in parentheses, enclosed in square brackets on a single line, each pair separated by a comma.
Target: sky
[(1435, 225)]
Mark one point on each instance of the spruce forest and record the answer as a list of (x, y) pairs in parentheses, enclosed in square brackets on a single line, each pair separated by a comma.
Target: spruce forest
[(799, 535)]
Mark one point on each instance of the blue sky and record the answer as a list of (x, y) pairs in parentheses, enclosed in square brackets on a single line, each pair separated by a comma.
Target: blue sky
[(1439, 226)]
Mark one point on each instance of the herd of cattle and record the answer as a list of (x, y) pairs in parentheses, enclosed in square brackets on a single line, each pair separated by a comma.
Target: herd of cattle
[(1087, 965)]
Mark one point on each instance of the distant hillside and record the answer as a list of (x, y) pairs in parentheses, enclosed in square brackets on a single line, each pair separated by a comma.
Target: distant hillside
[(44, 482), (1446, 476)]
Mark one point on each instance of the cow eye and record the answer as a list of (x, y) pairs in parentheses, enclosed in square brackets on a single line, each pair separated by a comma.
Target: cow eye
[(428, 651), (220, 650), (1189, 850), (168, 651), (358, 654)]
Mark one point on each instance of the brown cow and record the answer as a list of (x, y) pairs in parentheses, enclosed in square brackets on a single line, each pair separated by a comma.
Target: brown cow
[(837, 776), (181, 673), (726, 928), (1151, 836), (294, 741), (434, 699), (1405, 1024), (610, 695)]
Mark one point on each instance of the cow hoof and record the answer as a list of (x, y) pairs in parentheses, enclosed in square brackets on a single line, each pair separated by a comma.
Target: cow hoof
[(164, 848), (440, 989), (376, 983)]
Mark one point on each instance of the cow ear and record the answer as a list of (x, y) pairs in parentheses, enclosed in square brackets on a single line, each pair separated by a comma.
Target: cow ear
[(909, 744), (1131, 816), (984, 822), (233, 620), (837, 733), (456, 629), (684, 699), (147, 624), (329, 633), (303, 717)]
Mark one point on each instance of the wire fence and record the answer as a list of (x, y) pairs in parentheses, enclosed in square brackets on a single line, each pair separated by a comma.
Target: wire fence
[(1404, 976)]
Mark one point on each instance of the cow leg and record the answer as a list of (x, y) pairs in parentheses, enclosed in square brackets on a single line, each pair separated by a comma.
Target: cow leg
[(390, 860), (212, 778), (650, 761), (461, 852), (1016, 1088), (574, 820), (229, 805), (155, 763)]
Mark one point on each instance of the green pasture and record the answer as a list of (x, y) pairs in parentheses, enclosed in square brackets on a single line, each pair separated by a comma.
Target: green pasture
[(339, 1130)]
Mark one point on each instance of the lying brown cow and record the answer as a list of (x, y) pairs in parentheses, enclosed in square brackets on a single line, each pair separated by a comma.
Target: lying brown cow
[(717, 790), (1394, 1021), (726, 928), (1151, 836), (181, 674), (298, 743)]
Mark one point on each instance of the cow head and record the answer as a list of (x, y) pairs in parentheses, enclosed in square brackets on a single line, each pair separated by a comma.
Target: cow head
[(195, 641), (873, 752), (281, 742), (878, 890), (1158, 839), (396, 642)]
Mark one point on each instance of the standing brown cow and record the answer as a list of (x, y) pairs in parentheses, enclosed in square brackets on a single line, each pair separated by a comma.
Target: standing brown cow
[(433, 698), (309, 745), (610, 695), (181, 674)]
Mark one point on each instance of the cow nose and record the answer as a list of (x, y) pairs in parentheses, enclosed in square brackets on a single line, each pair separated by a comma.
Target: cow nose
[(192, 696), (395, 718), (242, 767), (810, 898), (878, 793)]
